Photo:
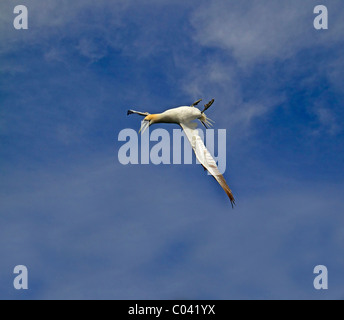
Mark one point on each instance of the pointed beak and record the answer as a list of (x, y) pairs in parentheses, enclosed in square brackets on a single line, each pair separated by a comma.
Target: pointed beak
[(144, 125)]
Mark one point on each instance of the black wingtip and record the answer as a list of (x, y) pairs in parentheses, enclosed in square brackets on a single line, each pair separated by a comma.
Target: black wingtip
[(129, 112), (196, 103), (204, 124)]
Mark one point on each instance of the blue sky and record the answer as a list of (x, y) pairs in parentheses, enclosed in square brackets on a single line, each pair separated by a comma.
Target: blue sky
[(88, 227)]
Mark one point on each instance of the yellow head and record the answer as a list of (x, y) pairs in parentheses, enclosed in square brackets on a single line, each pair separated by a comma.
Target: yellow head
[(152, 118), (148, 121)]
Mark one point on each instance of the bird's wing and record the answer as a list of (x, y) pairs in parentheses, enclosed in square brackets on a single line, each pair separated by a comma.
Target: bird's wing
[(144, 114), (204, 156)]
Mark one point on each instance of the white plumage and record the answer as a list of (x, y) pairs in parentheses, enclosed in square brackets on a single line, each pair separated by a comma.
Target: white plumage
[(185, 116)]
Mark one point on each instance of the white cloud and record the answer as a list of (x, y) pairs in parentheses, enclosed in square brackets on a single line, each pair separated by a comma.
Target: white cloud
[(327, 121), (256, 31), (94, 229), (238, 37), (223, 80), (84, 231), (108, 21)]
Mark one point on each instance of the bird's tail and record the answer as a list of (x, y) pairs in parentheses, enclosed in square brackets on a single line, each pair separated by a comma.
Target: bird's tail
[(221, 180), (207, 122)]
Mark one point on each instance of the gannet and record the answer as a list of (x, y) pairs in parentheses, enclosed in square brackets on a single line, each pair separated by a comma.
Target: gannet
[(185, 116)]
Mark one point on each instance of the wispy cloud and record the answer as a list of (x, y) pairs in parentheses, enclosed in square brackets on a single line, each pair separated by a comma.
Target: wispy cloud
[(88, 227), (253, 53), (66, 224), (255, 32), (327, 121)]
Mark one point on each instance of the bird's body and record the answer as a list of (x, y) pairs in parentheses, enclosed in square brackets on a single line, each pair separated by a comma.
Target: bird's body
[(176, 115), (185, 116)]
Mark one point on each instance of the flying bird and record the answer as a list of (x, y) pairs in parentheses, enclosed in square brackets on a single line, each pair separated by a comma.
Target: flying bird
[(185, 116)]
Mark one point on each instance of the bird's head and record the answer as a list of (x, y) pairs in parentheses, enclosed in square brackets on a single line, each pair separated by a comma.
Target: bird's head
[(148, 121), (152, 118)]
